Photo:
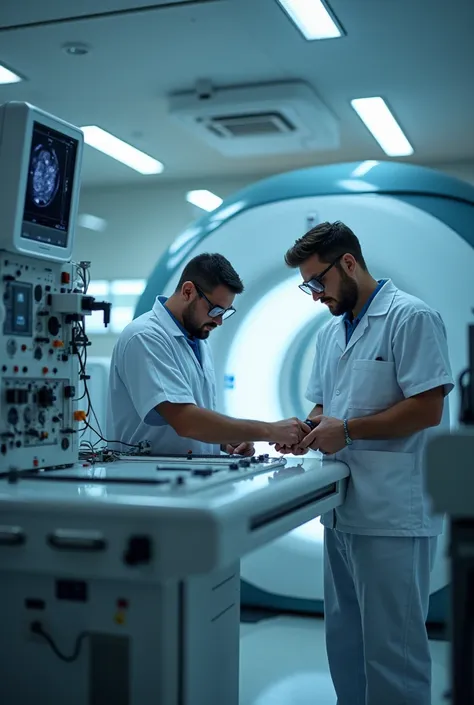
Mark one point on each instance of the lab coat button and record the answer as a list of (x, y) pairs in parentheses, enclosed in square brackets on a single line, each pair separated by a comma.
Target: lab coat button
[(337, 392)]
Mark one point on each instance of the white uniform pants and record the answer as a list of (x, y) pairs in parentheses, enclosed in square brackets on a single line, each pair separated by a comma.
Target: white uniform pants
[(376, 593)]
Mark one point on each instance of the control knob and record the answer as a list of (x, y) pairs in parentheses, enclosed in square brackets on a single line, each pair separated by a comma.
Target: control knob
[(54, 326)]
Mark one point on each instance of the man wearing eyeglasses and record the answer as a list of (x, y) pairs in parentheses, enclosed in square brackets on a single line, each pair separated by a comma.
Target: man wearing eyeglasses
[(162, 386), (379, 381)]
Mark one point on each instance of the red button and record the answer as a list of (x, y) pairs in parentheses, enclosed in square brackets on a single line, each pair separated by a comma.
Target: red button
[(45, 370), (122, 604), (35, 462), (15, 369), (23, 347), (65, 277)]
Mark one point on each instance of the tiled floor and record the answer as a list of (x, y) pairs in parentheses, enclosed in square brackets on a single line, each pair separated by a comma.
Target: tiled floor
[(283, 662)]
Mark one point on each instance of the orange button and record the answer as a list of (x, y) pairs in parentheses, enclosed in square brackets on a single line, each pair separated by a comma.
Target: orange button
[(80, 415), (58, 344), (65, 277)]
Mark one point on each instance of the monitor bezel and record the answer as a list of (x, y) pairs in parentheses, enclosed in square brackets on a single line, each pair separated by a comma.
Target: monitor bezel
[(16, 133)]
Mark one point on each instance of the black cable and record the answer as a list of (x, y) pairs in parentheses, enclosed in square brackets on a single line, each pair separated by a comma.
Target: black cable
[(129, 445), (37, 628), (82, 364), (90, 407), (84, 342)]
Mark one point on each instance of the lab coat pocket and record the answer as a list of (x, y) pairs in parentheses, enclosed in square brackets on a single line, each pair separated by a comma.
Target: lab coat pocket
[(373, 385), (379, 495)]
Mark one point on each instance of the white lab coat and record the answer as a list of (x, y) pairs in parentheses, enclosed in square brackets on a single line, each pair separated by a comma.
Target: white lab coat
[(151, 363), (386, 494), (380, 544)]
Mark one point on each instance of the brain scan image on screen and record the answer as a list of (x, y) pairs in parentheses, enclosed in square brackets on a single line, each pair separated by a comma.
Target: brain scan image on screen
[(44, 175), (50, 186)]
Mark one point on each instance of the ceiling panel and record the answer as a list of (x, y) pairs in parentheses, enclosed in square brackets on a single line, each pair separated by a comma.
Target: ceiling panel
[(15, 14), (417, 54)]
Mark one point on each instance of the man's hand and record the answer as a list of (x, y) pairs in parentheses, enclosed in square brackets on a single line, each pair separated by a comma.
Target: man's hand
[(289, 432), (328, 437), (295, 450), (245, 449)]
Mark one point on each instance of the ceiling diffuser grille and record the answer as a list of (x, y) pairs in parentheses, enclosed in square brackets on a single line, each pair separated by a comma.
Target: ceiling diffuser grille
[(250, 125)]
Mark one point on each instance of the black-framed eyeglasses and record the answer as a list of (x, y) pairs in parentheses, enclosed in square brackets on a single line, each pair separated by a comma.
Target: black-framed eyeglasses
[(215, 311), (315, 285)]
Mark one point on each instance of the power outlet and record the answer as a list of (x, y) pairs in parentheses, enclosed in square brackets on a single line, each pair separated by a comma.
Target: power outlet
[(30, 635)]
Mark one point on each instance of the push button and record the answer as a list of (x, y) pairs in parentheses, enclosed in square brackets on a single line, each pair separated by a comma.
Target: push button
[(138, 551)]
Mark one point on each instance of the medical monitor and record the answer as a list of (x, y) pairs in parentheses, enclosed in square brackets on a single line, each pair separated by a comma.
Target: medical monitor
[(40, 167)]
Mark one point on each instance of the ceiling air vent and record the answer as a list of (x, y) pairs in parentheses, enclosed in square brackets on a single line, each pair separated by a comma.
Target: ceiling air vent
[(269, 119), (250, 125)]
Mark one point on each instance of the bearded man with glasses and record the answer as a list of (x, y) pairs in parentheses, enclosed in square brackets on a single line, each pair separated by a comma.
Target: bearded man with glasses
[(380, 377), (162, 386)]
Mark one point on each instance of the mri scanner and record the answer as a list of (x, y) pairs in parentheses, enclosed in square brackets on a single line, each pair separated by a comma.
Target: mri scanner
[(415, 225)]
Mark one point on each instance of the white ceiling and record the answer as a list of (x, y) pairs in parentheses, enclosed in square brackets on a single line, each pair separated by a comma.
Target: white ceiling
[(418, 54)]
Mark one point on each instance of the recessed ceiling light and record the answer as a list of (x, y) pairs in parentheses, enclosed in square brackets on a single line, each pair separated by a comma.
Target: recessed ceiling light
[(204, 199), (7, 76), (91, 222), (313, 19), (121, 151), (76, 48), (378, 119)]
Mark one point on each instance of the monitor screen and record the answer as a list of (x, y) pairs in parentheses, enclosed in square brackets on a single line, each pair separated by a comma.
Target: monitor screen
[(49, 187)]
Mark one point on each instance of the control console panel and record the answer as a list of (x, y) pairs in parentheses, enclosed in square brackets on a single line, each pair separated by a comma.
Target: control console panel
[(39, 370)]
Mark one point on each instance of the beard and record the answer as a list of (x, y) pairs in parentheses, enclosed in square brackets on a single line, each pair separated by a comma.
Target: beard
[(347, 297), (193, 326)]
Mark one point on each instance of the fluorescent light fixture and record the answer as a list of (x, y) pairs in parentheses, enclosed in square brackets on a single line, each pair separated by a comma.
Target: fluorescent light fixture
[(378, 119), (7, 76), (206, 200), (121, 151), (312, 18), (91, 222)]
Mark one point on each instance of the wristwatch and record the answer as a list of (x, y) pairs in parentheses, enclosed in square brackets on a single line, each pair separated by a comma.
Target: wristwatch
[(310, 423), (346, 433)]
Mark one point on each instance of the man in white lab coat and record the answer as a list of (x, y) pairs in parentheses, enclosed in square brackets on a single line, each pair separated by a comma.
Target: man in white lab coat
[(162, 387), (380, 377)]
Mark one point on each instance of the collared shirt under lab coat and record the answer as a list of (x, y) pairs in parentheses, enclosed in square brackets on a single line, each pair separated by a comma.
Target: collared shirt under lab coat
[(385, 495), (152, 362)]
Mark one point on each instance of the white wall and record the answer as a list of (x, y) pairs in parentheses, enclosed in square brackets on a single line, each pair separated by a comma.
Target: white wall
[(143, 221), (141, 224)]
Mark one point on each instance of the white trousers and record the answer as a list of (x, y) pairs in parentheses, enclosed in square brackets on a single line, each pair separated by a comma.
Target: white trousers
[(376, 596)]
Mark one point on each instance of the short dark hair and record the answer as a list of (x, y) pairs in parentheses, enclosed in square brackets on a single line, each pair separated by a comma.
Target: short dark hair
[(327, 240), (209, 271)]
